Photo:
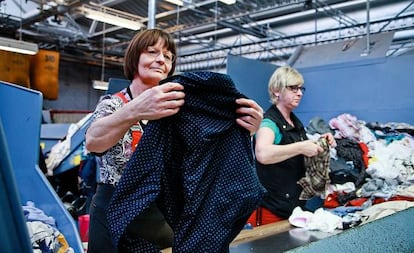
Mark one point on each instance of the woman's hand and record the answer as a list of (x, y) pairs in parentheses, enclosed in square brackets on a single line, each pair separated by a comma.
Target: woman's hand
[(330, 138), (158, 102), (251, 114), (309, 148)]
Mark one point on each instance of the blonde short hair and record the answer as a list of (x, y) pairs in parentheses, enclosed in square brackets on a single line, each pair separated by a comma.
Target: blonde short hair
[(282, 77)]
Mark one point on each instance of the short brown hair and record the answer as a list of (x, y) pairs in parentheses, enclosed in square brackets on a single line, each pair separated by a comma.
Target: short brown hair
[(140, 42)]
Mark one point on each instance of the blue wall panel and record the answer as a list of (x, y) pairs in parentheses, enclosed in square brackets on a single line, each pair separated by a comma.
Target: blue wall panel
[(378, 90), (251, 77), (117, 84)]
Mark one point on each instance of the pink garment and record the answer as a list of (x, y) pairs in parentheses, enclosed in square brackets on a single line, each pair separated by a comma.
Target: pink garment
[(346, 126)]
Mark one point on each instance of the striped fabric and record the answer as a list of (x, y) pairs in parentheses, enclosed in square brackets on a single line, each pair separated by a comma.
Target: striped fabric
[(316, 178)]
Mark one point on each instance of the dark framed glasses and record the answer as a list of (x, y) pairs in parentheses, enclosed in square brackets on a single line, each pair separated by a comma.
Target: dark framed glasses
[(296, 88)]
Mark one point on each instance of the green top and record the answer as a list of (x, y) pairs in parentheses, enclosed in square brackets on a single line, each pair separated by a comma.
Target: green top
[(272, 125)]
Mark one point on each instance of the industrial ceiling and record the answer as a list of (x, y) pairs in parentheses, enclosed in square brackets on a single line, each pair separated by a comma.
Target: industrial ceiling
[(206, 30)]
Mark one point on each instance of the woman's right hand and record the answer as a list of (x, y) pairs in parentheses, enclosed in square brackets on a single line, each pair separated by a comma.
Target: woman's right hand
[(310, 148), (158, 102), (154, 103)]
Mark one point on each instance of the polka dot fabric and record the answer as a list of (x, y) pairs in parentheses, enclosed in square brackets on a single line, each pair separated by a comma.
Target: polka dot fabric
[(197, 165)]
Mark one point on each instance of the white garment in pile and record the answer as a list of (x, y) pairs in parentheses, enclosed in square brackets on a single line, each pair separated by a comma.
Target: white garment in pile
[(321, 220)]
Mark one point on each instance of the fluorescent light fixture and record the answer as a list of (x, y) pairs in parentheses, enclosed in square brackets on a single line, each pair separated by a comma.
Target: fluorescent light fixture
[(111, 16), (18, 46), (176, 2), (100, 85), (229, 2)]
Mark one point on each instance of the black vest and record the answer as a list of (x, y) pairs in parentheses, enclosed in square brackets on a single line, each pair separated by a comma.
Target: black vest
[(280, 179)]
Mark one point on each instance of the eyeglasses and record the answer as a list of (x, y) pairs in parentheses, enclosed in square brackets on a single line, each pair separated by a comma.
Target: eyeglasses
[(295, 88), (154, 53)]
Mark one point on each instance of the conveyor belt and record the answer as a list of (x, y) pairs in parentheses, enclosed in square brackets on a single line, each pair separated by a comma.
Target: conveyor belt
[(277, 239), (393, 233)]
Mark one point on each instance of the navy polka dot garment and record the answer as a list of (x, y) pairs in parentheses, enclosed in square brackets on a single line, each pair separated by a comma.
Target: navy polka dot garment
[(197, 165)]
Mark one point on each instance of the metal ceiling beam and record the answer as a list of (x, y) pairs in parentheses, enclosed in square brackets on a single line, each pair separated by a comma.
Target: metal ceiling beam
[(396, 16), (277, 20), (182, 9), (276, 14), (241, 29), (237, 22), (298, 39)]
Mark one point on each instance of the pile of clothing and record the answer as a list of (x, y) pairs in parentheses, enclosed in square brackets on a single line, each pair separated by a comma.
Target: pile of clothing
[(371, 173)]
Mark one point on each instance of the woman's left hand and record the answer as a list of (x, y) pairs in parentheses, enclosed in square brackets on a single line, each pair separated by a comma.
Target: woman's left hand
[(330, 138), (251, 114)]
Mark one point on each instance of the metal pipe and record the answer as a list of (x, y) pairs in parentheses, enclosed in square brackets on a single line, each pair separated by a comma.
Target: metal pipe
[(293, 57), (368, 49), (316, 21), (151, 14)]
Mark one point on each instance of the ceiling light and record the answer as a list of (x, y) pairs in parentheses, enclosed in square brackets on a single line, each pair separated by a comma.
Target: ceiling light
[(228, 1), (176, 2), (18, 46), (111, 16), (100, 85)]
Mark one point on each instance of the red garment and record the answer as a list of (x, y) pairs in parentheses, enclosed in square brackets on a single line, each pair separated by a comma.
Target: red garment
[(331, 201), (263, 216), (365, 150), (357, 202), (399, 197)]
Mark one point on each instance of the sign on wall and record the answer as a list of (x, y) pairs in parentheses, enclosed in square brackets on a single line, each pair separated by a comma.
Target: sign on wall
[(15, 68), (44, 73)]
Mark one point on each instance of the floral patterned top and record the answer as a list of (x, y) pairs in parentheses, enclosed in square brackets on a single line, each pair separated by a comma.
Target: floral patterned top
[(112, 162)]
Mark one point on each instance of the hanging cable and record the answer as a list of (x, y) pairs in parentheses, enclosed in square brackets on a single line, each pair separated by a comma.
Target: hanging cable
[(21, 21), (103, 50)]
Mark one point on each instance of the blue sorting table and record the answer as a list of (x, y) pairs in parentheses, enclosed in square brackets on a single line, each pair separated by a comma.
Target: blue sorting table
[(20, 113)]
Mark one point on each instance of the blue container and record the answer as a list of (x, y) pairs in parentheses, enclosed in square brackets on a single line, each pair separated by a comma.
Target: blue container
[(20, 113)]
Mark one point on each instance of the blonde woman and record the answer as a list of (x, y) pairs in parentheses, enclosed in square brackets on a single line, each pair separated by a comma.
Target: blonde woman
[(281, 145)]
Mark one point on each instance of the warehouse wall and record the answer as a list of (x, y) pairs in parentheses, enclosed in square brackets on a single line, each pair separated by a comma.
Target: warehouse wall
[(75, 86), (373, 90)]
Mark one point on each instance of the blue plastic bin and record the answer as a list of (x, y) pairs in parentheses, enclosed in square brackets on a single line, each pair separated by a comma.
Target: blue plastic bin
[(21, 112)]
